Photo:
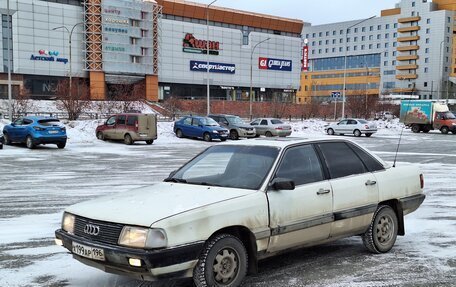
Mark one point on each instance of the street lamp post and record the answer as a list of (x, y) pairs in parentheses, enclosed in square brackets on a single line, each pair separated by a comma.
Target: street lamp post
[(207, 58), (251, 76), (345, 62), (10, 96), (70, 32)]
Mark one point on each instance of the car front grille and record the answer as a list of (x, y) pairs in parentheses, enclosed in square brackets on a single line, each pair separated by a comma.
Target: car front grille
[(108, 232)]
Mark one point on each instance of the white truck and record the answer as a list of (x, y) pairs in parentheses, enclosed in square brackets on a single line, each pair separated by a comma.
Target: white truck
[(237, 203)]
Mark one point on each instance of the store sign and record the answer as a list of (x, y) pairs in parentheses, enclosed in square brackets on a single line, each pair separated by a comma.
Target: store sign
[(48, 56), (112, 11), (193, 45), (199, 66), (274, 64), (117, 21), (305, 58), (116, 30), (114, 49)]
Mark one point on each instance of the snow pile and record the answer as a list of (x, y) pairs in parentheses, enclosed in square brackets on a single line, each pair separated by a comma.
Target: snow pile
[(306, 127), (82, 131)]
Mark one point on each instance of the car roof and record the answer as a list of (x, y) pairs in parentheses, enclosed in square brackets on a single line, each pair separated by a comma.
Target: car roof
[(283, 142), (37, 118)]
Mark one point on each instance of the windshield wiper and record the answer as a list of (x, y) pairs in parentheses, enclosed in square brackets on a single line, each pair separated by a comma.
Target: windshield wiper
[(173, 179), (203, 183)]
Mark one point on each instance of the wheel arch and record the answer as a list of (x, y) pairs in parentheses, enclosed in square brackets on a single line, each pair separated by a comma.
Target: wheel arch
[(248, 239), (397, 207)]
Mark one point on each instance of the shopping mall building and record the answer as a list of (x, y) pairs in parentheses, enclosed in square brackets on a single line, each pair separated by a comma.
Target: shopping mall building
[(407, 50), (161, 44)]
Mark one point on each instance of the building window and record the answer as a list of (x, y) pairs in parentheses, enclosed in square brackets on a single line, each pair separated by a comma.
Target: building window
[(334, 33), (355, 48), (348, 48), (426, 70), (362, 47), (394, 63), (135, 59), (143, 51), (355, 39), (395, 25), (449, 19), (413, 13), (371, 37), (379, 27), (386, 45), (313, 43), (394, 44), (327, 33), (371, 28), (313, 52), (387, 35), (363, 38), (348, 40), (143, 33), (134, 23), (334, 41), (426, 60), (327, 42), (386, 54), (428, 21), (379, 36), (326, 50), (333, 50), (427, 40), (341, 40), (378, 45), (394, 53), (385, 63), (413, 4), (425, 84), (319, 51), (314, 35), (340, 49), (370, 46), (426, 50), (363, 29), (356, 30), (319, 42), (133, 41), (341, 32), (307, 36), (428, 30), (320, 34)]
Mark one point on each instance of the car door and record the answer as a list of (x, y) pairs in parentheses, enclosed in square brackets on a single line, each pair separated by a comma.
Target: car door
[(121, 127), (197, 128), (13, 129), (186, 125), (255, 124), (110, 128), (354, 187), (341, 127), (302, 215), (351, 126), (262, 127)]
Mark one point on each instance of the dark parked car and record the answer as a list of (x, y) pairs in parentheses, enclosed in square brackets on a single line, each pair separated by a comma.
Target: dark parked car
[(235, 125), (200, 127), (34, 131), (2, 140)]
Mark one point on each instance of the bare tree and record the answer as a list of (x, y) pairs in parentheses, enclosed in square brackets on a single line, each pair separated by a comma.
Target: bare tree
[(356, 105), (76, 101), (127, 96), (22, 103), (171, 107)]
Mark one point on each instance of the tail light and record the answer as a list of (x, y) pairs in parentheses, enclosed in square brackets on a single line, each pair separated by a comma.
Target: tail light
[(366, 127), (279, 128), (422, 181), (38, 129), (136, 124)]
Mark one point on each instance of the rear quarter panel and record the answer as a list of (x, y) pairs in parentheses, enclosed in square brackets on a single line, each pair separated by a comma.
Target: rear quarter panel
[(398, 182)]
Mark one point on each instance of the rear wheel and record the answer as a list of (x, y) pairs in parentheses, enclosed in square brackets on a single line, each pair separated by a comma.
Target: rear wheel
[(29, 142), (61, 145), (268, 134), (1, 146), (128, 140), (223, 262), (7, 139), (234, 135), (444, 130), (100, 136), (330, 132), (149, 142), (382, 232), (368, 135), (357, 133), (416, 128), (179, 133), (207, 137)]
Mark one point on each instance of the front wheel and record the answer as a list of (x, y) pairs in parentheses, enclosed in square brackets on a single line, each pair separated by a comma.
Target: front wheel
[(382, 232), (207, 137), (223, 262), (7, 139), (29, 142), (128, 140), (330, 132), (444, 130), (234, 135), (100, 136)]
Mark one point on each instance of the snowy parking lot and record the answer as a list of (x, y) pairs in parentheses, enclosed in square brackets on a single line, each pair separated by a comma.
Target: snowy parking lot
[(36, 185)]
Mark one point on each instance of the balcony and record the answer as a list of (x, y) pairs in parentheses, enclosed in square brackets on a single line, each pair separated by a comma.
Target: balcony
[(408, 39), (406, 76), (408, 48), (409, 19), (409, 29), (407, 58), (406, 67)]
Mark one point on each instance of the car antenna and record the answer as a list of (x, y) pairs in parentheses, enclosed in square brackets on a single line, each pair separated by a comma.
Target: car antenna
[(402, 129)]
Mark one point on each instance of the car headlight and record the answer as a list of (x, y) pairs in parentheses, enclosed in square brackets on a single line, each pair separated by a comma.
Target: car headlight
[(141, 237), (215, 132), (68, 222)]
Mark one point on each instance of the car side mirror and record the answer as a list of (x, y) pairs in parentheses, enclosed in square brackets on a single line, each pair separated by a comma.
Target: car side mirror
[(13, 124), (282, 184)]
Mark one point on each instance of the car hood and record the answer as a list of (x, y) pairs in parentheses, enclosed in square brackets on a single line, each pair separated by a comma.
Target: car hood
[(244, 126), (149, 204)]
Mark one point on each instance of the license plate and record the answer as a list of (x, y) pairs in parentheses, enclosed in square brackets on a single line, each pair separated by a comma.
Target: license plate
[(53, 132), (88, 252), (143, 135)]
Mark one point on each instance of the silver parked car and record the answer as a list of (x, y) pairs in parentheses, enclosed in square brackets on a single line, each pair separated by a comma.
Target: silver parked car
[(235, 125), (357, 127), (271, 127)]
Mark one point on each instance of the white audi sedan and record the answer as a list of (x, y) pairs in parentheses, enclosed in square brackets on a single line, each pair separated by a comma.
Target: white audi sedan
[(356, 127)]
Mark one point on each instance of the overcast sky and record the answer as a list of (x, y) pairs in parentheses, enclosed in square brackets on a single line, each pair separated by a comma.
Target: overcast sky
[(313, 11)]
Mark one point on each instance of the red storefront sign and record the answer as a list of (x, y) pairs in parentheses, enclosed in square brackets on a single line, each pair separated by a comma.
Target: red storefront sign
[(193, 45), (305, 58)]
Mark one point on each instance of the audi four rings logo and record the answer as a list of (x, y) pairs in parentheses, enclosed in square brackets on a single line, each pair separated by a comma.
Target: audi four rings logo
[(91, 229)]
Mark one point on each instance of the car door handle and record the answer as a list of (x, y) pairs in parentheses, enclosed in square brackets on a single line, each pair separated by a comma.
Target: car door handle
[(371, 182), (322, 191)]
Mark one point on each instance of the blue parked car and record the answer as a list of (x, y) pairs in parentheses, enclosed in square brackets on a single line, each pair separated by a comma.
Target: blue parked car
[(36, 130), (200, 127)]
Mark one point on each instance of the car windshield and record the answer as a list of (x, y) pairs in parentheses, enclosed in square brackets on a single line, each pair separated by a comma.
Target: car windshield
[(235, 120), (244, 167), (208, 122), (362, 121), (276, 122), (449, 116), (50, 122)]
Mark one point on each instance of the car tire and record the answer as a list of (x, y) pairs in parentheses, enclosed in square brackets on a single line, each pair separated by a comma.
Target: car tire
[(357, 133), (128, 140), (223, 140), (149, 142), (207, 137), (416, 128), (382, 232), (100, 136), (61, 145), (368, 135), (454, 132), (1, 146), (223, 262), (7, 140), (444, 130), (29, 142), (268, 134), (234, 135), (330, 132), (179, 133)]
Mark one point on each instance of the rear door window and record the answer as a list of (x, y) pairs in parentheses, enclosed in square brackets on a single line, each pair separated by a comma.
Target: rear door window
[(341, 160), (264, 123), (131, 120), (187, 121), (371, 163), (49, 122), (121, 120)]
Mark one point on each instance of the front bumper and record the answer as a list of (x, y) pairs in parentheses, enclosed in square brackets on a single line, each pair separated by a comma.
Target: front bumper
[(246, 134), (157, 264)]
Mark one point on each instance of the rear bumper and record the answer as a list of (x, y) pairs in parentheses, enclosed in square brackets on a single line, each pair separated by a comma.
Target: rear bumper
[(177, 262), (49, 139), (282, 133), (372, 131), (411, 203)]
